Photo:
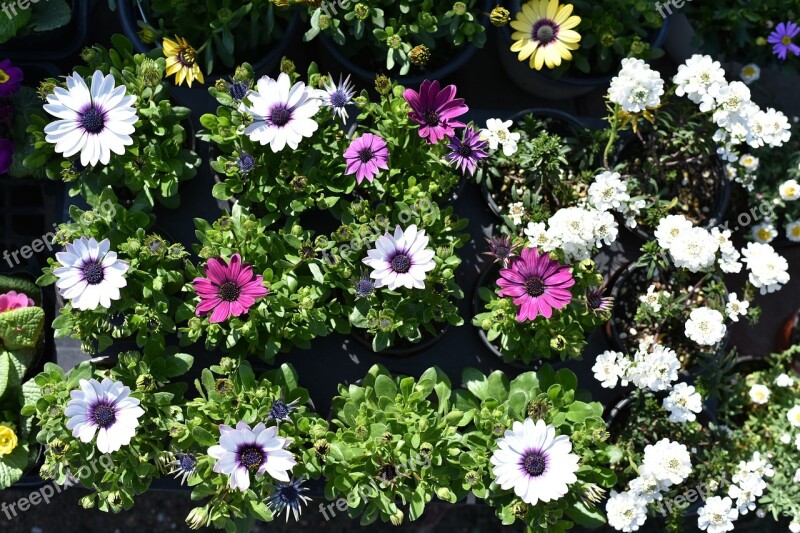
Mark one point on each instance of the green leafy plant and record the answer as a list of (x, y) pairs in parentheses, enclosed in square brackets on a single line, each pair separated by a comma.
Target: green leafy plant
[(36, 17)]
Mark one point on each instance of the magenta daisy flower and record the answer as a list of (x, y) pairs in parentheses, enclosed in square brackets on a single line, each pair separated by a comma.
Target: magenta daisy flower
[(366, 156), (10, 78), (435, 109), (229, 289), (537, 283), (781, 39), (468, 151)]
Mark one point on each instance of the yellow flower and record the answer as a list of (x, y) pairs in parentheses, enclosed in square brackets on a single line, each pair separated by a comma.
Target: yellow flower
[(8, 440), (181, 61), (544, 33)]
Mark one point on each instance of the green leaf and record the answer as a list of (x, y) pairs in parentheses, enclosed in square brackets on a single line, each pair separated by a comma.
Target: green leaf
[(585, 516), (21, 328), (50, 14), (13, 465), (178, 364), (203, 437), (385, 387)]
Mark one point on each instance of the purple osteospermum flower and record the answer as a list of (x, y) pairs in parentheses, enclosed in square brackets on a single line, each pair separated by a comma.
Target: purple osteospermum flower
[(288, 496), (106, 409), (366, 156), (10, 78), (184, 465), (243, 449), (597, 303), (6, 155), (229, 290), (501, 248), (781, 39), (338, 97), (435, 109), (468, 151), (90, 274), (537, 284), (401, 260)]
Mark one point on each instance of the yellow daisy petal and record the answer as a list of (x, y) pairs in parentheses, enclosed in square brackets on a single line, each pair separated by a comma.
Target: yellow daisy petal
[(552, 9), (569, 36), (199, 74), (521, 26), (537, 60), (563, 13), (570, 23)]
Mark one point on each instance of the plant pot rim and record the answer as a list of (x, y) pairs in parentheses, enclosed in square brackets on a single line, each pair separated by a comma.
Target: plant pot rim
[(460, 59)]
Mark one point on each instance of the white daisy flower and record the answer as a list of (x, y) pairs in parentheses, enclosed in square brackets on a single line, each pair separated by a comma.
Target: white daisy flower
[(536, 463), (759, 393), (260, 449), (764, 232), (736, 307), (794, 416), (668, 461), (401, 260), (749, 162), (94, 122), (282, 112), (106, 409), (789, 190), (793, 231), (750, 73), (784, 380), (717, 515), (90, 274), (683, 402), (516, 211), (705, 326)]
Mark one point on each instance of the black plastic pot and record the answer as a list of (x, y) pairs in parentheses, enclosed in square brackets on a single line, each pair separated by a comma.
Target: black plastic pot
[(722, 195), (569, 121), (543, 84), (198, 98), (31, 479), (53, 45), (454, 64), (405, 350)]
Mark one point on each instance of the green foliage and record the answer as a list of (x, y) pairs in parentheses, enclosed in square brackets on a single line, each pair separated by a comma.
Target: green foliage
[(37, 17)]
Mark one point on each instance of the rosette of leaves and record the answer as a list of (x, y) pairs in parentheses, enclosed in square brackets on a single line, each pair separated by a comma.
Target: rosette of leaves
[(392, 33), (161, 156), (553, 166), (563, 335), (21, 330), (298, 307), (230, 393), (288, 182), (416, 168), (760, 427), (152, 297), (35, 17), (401, 316), (493, 403), (396, 445), (221, 33), (132, 467)]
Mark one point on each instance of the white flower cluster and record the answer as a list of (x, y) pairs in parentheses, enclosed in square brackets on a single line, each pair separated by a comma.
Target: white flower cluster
[(498, 133), (578, 231), (609, 192), (769, 271), (694, 248), (705, 326), (637, 87), (665, 463)]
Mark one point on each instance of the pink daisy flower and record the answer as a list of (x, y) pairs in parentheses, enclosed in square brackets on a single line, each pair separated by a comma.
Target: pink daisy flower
[(14, 300), (537, 283), (434, 110), (229, 289), (366, 156)]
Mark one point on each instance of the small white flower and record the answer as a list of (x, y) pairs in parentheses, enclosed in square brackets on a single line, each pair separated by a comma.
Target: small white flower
[(750, 73), (654, 370), (764, 232), (794, 416), (637, 87), (717, 515), (768, 269), (695, 77), (682, 403), (498, 133), (516, 211), (671, 229), (736, 307), (608, 191), (705, 326), (651, 297), (789, 190), (626, 511), (784, 380), (749, 162), (537, 234), (759, 393), (607, 369), (793, 231), (668, 461), (794, 526)]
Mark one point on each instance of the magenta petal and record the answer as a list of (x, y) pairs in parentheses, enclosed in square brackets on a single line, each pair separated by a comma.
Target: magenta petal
[(221, 313), (207, 305)]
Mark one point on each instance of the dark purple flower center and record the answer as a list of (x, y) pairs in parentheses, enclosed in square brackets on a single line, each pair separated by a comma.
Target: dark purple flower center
[(338, 99), (545, 31), (502, 252), (238, 90), (280, 411), (229, 291), (387, 472), (288, 494), (465, 150), (364, 287), (93, 272), (104, 415), (280, 115), (401, 263), (246, 163), (431, 118), (187, 462), (534, 463), (365, 155), (534, 286), (93, 120), (596, 301), (251, 457)]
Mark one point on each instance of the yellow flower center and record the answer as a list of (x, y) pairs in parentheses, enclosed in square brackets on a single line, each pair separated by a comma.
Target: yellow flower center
[(790, 191), (764, 234), (749, 71), (786, 40), (8, 440), (4, 77), (796, 231)]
